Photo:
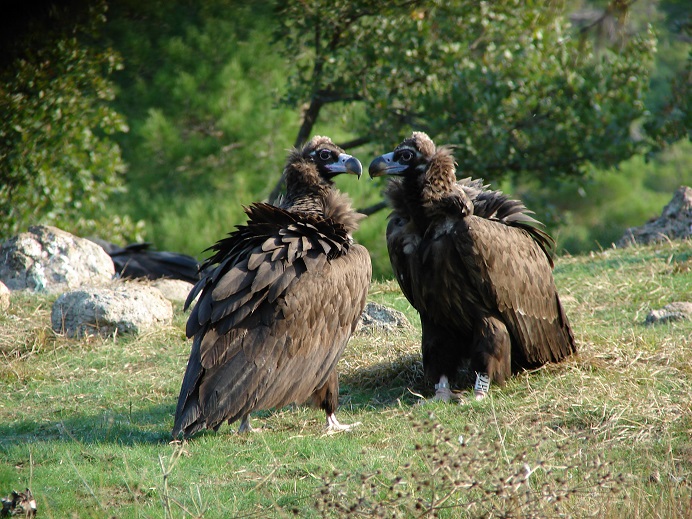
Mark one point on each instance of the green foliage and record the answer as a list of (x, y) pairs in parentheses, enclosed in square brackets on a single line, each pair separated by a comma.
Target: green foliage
[(58, 162), (508, 82), (594, 212), (198, 87), (670, 96), (511, 83)]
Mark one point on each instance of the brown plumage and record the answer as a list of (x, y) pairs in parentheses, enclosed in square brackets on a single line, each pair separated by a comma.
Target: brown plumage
[(275, 314), (474, 265)]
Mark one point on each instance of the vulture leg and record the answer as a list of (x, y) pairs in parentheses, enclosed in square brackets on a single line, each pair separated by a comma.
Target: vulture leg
[(326, 397), (492, 359), (482, 385), (442, 357), (245, 426)]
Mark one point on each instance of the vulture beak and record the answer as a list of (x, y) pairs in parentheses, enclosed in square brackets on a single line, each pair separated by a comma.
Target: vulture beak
[(346, 164), (385, 165)]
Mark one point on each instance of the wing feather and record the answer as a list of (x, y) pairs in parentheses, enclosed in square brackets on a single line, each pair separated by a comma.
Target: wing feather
[(517, 280), (233, 281)]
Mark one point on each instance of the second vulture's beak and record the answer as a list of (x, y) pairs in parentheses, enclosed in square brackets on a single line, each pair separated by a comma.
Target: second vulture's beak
[(385, 165), (346, 164)]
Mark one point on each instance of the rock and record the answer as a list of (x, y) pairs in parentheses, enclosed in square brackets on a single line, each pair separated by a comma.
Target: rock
[(125, 308), (675, 222), (4, 297), (673, 312), (175, 290), (47, 259), (379, 317)]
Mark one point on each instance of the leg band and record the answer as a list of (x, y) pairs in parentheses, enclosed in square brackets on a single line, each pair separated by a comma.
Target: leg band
[(482, 383)]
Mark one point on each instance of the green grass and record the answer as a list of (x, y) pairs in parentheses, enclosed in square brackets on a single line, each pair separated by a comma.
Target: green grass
[(86, 424)]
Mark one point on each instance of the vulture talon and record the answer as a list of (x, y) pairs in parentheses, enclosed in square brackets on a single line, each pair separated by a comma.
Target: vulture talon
[(479, 395), (334, 426)]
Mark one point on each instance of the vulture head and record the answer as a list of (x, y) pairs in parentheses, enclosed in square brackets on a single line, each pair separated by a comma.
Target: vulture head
[(318, 162), (309, 175), (409, 159), (428, 172), (419, 162)]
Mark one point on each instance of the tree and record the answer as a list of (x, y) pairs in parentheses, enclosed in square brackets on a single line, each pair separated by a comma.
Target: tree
[(58, 163), (509, 82), (671, 118), (199, 88)]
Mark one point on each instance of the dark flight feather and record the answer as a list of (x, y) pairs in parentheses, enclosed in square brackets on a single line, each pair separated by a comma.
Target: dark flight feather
[(140, 260)]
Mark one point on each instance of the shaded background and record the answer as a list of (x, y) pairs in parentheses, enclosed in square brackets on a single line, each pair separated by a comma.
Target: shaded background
[(158, 120)]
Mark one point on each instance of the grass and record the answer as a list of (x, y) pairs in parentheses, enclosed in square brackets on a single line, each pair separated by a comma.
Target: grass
[(86, 423)]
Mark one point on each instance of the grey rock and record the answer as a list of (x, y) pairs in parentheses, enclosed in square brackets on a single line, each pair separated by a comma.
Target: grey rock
[(677, 311), (4, 297), (47, 259), (122, 308), (175, 290), (382, 318), (675, 222)]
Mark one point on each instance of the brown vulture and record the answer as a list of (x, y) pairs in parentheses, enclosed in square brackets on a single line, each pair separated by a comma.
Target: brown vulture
[(474, 265), (276, 312)]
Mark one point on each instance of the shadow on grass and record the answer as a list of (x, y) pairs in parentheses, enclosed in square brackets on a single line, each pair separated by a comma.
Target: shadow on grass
[(388, 383), (151, 425), (379, 385)]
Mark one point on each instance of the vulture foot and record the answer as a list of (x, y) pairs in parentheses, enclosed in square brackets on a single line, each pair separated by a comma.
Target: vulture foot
[(446, 395), (443, 391), (334, 426), (245, 426)]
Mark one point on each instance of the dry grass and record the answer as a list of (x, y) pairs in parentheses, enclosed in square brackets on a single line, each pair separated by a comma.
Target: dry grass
[(608, 433)]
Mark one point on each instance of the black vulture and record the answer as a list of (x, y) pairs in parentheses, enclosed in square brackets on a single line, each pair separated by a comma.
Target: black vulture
[(140, 260), (475, 266), (275, 314)]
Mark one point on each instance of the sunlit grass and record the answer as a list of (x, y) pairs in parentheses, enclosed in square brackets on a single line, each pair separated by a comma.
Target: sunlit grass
[(608, 433)]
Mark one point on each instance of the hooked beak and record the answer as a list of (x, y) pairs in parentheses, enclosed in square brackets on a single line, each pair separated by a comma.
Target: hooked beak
[(346, 164), (385, 165)]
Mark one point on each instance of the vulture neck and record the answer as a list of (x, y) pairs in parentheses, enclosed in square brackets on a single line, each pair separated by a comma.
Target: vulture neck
[(435, 195), (308, 192), (305, 189), (411, 202), (440, 177)]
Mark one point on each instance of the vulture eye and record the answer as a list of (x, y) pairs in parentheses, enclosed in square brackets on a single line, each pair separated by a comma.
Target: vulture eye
[(406, 156), (325, 154)]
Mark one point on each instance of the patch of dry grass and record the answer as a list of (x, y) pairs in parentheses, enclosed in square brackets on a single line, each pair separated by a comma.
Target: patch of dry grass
[(608, 433)]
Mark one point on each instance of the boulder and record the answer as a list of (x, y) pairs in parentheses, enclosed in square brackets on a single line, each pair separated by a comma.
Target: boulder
[(4, 297), (381, 318), (675, 222), (677, 311), (122, 308), (47, 259), (175, 290)]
